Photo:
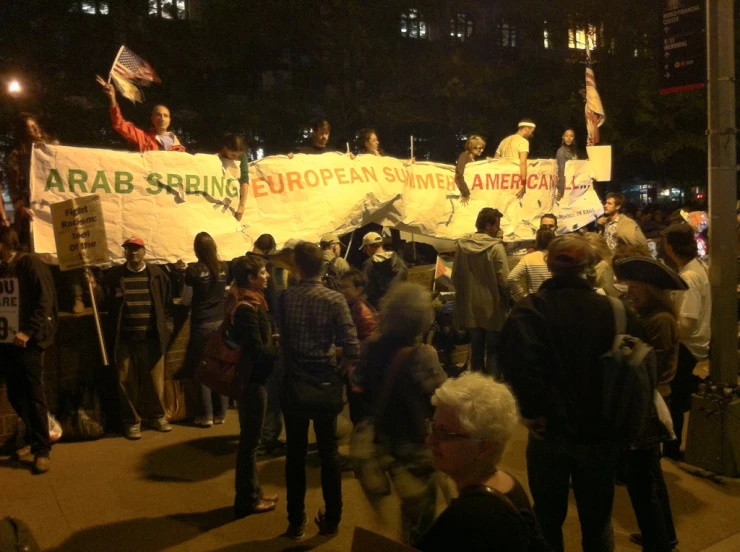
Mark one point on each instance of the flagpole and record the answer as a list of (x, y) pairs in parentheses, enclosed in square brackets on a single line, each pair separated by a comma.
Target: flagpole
[(120, 50)]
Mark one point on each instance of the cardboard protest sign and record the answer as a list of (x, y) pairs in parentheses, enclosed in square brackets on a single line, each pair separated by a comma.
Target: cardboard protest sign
[(79, 232), (166, 198), (9, 308)]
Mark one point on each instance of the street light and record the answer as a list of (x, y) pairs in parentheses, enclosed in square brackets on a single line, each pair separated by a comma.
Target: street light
[(14, 87)]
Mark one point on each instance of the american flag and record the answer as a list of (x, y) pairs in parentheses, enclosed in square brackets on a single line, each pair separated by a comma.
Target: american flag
[(131, 67), (595, 115)]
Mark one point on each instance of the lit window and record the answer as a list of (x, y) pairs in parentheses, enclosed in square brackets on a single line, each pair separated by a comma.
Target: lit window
[(546, 37), (91, 7), (413, 24), (168, 9), (577, 36), (461, 26), (507, 35)]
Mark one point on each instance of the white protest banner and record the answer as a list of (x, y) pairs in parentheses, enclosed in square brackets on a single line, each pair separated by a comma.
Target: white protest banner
[(79, 231), (9, 307), (580, 204), (166, 198)]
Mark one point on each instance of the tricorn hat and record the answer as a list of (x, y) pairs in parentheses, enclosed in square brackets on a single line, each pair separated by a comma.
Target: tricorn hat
[(648, 271)]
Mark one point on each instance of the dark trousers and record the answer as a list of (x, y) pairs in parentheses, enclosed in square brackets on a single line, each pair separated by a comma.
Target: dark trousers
[(649, 497), (140, 365), (484, 346), (273, 416), (552, 464), (23, 369), (208, 399), (296, 432), (251, 418), (682, 387)]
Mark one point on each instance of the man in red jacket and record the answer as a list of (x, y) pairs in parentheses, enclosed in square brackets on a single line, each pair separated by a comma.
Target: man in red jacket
[(156, 139)]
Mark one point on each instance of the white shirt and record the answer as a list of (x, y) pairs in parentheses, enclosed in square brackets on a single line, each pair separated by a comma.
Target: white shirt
[(696, 303), (511, 146)]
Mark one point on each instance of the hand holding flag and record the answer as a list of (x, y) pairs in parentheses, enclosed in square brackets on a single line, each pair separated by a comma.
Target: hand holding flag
[(130, 72)]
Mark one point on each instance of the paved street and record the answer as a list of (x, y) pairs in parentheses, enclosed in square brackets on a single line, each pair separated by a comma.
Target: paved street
[(173, 491)]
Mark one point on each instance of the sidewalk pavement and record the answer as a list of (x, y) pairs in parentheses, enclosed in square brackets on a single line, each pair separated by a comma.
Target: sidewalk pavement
[(174, 491)]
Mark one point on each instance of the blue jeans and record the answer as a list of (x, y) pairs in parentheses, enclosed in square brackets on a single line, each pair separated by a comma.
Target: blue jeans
[(296, 438), (554, 462), (484, 346), (198, 338), (251, 417)]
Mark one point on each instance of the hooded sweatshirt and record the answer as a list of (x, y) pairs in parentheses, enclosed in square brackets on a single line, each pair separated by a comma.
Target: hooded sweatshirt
[(480, 276), (381, 271)]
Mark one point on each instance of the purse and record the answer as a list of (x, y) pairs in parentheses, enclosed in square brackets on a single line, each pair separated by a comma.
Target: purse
[(369, 458)]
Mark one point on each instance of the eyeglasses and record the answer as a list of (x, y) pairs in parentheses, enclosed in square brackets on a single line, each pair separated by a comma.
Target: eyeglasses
[(442, 435)]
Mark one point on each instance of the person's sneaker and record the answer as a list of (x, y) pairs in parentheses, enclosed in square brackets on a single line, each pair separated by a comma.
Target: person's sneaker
[(41, 464), (325, 528), (132, 432), (202, 421), (161, 424), (23, 454), (218, 420), (296, 531)]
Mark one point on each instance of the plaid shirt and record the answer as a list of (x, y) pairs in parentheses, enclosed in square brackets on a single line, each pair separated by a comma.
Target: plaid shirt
[(313, 320)]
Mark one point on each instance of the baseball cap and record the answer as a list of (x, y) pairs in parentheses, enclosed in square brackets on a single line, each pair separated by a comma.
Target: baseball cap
[(371, 238), (329, 239), (133, 241)]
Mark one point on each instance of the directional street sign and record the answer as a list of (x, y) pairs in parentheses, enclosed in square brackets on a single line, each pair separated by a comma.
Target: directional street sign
[(683, 59)]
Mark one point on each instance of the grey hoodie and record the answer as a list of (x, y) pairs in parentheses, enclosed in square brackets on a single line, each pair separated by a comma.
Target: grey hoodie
[(479, 275)]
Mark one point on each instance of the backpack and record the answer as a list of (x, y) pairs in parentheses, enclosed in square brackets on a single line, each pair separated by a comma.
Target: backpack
[(330, 277), (218, 368), (627, 391)]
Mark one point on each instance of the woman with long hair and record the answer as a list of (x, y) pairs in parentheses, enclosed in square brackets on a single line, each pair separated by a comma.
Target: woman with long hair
[(205, 293), (473, 149), (399, 374), (568, 151), (368, 143), (532, 268)]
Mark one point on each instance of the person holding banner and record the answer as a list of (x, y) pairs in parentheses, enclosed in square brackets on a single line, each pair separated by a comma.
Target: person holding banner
[(473, 149), (368, 142), (516, 148), (565, 153), (137, 296), (22, 356), (321, 132), (234, 148), (157, 139)]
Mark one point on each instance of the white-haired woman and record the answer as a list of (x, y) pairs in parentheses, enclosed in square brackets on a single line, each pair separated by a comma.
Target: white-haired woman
[(395, 369), (473, 422)]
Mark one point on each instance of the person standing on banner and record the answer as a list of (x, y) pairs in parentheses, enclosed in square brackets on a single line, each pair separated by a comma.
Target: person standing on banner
[(382, 269), (157, 139), (617, 227), (234, 148), (22, 364), (254, 332), (313, 322), (694, 309), (551, 346), (473, 149), (568, 151), (137, 295), (321, 130), (516, 148), (480, 274), (205, 293)]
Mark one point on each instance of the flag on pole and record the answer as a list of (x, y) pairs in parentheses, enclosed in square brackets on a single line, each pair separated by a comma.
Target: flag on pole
[(595, 115), (443, 273), (129, 72)]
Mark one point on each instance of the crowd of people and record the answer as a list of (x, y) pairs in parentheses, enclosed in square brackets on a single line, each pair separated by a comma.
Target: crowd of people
[(311, 330)]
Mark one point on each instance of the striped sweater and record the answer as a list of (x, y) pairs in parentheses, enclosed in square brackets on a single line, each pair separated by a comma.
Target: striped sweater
[(137, 321), (532, 271)]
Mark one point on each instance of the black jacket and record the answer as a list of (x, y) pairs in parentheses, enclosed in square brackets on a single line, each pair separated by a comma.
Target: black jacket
[(383, 270), (253, 331), (112, 302), (37, 317), (551, 348)]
